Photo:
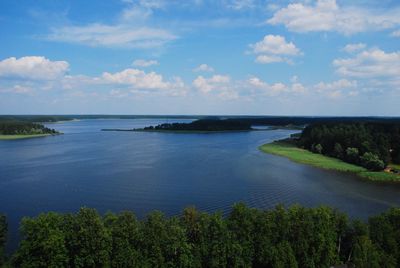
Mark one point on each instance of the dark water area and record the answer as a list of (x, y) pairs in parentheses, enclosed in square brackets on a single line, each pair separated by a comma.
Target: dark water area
[(145, 171)]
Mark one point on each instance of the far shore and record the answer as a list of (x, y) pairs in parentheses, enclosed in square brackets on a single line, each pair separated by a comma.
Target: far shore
[(201, 131), (302, 156)]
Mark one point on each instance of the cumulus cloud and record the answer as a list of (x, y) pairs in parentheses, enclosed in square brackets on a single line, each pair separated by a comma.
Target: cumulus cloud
[(217, 85), (274, 48), (119, 36), (264, 88), (206, 85), (267, 89), (29, 74), (203, 68), (144, 63), (32, 67), (327, 15), (139, 79), (350, 48), (373, 63)]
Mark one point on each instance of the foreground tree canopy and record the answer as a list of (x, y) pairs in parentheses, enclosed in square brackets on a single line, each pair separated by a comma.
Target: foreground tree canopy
[(371, 145), (293, 237)]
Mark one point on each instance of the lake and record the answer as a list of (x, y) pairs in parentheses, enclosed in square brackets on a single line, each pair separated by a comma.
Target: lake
[(165, 171)]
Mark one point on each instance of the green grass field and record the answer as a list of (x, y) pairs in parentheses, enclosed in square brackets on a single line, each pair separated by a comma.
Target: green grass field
[(303, 156), (17, 137)]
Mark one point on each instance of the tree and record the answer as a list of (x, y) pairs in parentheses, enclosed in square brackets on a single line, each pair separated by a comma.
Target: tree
[(241, 224), (3, 237), (338, 151), (384, 231), (88, 241), (366, 254), (125, 233), (352, 155), (43, 242), (372, 162), (213, 240), (282, 256), (318, 149)]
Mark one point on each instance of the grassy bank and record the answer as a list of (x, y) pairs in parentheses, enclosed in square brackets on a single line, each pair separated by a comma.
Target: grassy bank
[(303, 156), (17, 137)]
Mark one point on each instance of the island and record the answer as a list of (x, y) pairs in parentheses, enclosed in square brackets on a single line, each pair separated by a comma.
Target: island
[(198, 126), (370, 150), (11, 130)]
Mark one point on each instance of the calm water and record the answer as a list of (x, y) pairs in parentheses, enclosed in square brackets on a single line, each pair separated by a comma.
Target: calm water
[(164, 171)]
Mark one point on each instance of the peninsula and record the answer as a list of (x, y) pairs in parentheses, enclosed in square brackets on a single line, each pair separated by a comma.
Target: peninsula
[(198, 126), (12, 130), (370, 150)]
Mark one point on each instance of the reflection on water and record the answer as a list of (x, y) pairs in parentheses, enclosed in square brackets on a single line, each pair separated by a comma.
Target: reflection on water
[(164, 171)]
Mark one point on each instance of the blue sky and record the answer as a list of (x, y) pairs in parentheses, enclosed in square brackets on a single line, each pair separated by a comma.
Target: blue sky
[(235, 57)]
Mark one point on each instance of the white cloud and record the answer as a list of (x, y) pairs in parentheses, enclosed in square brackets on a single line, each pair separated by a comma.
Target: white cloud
[(206, 85), (327, 15), (350, 48), (276, 45), (265, 88), (120, 36), (203, 68), (395, 33), (274, 48), (17, 89), (33, 67), (275, 89), (373, 63), (144, 63), (217, 85), (336, 85), (139, 79), (337, 88)]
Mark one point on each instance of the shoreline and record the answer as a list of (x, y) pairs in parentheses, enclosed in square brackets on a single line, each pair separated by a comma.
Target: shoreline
[(21, 137), (302, 156)]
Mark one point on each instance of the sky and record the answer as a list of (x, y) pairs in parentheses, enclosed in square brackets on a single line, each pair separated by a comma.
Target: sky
[(200, 57)]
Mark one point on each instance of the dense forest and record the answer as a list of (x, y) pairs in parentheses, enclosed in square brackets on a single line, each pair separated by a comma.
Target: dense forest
[(292, 237), (8, 127), (371, 145), (204, 125)]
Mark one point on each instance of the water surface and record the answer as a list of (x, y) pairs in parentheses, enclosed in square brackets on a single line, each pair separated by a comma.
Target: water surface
[(167, 171)]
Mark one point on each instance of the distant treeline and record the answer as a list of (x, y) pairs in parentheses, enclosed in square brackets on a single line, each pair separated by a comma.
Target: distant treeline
[(204, 125), (293, 237), (307, 120), (23, 128), (372, 145), (253, 120)]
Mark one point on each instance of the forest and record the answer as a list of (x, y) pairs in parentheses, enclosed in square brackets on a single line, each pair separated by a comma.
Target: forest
[(371, 145), (281, 237), (204, 125), (9, 127)]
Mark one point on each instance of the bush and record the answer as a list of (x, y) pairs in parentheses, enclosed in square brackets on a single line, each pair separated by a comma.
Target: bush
[(372, 162)]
